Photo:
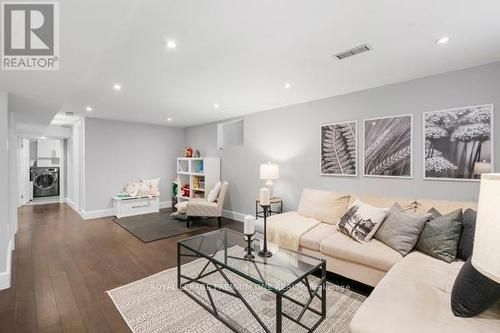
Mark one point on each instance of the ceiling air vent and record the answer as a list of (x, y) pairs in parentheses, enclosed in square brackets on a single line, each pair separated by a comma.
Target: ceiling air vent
[(69, 113), (352, 52)]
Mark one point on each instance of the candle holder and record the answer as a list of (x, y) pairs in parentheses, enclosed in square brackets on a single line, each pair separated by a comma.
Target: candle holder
[(248, 249), (264, 252)]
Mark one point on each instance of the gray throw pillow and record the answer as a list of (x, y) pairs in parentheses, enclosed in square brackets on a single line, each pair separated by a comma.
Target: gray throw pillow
[(401, 229), (441, 236)]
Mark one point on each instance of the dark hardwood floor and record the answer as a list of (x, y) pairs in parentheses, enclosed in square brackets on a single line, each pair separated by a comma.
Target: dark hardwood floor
[(62, 266)]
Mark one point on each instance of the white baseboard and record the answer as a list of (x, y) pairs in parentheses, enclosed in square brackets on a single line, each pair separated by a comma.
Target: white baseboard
[(5, 276), (72, 204), (234, 215), (96, 214), (165, 204)]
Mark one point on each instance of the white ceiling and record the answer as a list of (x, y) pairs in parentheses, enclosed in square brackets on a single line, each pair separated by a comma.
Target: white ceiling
[(239, 54)]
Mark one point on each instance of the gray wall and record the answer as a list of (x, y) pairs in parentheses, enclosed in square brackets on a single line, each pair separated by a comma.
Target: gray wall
[(290, 136), (117, 152), (4, 182)]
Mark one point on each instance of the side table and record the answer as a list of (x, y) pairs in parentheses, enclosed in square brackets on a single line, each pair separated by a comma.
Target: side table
[(277, 209)]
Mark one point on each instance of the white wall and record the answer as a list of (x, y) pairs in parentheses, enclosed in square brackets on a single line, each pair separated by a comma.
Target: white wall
[(117, 152), (8, 213), (73, 167), (13, 176), (290, 136)]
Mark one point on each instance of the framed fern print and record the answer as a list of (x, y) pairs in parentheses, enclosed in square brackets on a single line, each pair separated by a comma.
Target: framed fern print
[(339, 149), (458, 143), (388, 147)]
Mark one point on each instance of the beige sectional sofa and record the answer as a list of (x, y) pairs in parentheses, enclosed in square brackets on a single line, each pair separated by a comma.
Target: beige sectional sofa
[(411, 293)]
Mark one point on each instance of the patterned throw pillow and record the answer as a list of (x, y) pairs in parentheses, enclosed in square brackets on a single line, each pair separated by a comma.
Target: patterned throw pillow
[(153, 186), (361, 221)]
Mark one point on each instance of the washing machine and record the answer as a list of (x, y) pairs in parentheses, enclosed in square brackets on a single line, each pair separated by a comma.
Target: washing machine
[(45, 181)]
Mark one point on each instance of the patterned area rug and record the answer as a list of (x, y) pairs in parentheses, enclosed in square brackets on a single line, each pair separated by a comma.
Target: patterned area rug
[(154, 304)]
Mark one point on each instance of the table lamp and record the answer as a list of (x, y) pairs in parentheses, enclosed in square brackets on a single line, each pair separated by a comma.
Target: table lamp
[(269, 172), (481, 168), (487, 237)]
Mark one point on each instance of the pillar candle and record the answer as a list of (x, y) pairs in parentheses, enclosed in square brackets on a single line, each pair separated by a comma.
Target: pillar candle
[(249, 225), (265, 197)]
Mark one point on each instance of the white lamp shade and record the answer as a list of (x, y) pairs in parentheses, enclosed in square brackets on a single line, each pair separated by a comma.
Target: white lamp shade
[(482, 167), (487, 235), (269, 171)]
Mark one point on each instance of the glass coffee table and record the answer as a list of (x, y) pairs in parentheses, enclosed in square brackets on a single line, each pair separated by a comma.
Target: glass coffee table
[(224, 251)]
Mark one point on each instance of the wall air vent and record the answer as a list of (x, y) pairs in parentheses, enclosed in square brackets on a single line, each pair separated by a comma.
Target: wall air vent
[(352, 52), (230, 134)]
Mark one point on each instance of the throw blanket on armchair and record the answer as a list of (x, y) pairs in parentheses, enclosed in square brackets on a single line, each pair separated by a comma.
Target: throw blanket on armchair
[(284, 230)]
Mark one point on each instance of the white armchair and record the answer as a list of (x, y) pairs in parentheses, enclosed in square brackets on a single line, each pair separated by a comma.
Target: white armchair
[(200, 207)]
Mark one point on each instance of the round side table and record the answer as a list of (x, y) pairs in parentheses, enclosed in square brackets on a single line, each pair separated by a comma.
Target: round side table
[(277, 202)]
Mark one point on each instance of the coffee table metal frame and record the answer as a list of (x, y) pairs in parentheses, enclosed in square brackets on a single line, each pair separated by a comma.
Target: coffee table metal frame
[(221, 266)]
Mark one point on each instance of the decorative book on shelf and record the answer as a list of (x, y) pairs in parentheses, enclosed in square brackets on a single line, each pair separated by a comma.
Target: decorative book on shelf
[(197, 176)]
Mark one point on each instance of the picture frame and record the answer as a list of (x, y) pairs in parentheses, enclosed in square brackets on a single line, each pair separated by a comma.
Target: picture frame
[(347, 135), (447, 157), (390, 147)]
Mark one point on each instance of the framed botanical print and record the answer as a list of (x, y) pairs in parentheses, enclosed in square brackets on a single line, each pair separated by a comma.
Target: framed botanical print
[(387, 146), (339, 149), (458, 143)]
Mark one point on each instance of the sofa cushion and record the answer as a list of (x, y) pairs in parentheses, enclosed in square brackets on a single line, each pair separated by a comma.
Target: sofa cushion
[(312, 239), (414, 297), (383, 202), (324, 206), (183, 205), (443, 206), (373, 254)]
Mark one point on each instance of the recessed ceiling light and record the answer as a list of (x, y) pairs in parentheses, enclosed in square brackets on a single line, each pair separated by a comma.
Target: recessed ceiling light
[(117, 86), (216, 106), (171, 44), (169, 119), (88, 109), (287, 85), (443, 40)]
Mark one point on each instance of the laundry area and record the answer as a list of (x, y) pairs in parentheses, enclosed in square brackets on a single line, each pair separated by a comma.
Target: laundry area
[(44, 178)]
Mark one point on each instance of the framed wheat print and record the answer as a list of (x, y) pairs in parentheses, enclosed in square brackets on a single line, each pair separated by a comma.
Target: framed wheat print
[(387, 146), (339, 149), (458, 143)]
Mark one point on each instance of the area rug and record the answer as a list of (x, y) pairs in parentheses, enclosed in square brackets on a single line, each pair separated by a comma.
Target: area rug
[(154, 304), (152, 227)]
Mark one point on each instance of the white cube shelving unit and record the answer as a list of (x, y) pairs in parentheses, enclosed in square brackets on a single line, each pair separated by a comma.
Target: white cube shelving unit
[(191, 171)]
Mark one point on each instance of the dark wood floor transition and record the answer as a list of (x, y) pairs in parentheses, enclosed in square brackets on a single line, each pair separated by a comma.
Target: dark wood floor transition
[(62, 265)]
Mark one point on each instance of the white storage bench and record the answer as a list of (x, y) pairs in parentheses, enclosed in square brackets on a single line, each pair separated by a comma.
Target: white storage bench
[(130, 206)]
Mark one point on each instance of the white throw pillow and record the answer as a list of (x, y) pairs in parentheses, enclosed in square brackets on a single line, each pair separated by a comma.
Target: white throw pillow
[(132, 189), (214, 193), (154, 186), (361, 221)]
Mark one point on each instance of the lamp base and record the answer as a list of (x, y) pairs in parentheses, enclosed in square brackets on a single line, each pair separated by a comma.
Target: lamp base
[(265, 254), (270, 185)]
